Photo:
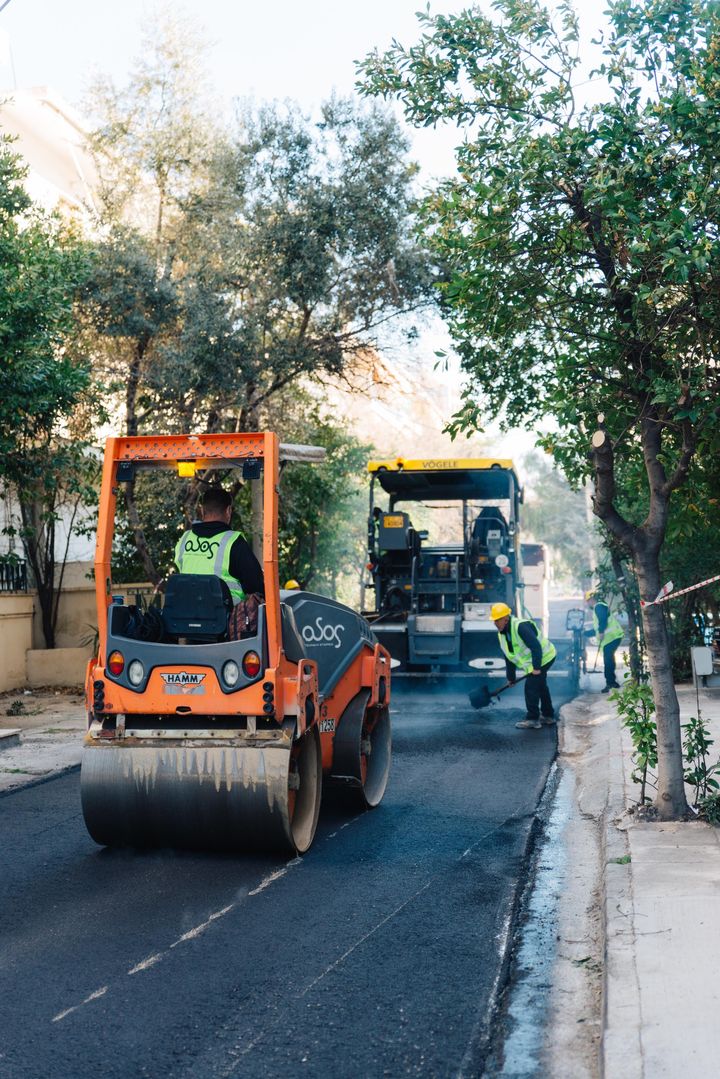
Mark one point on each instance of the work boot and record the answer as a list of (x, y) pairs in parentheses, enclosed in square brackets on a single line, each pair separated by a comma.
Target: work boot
[(531, 724), (613, 685), (548, 721)]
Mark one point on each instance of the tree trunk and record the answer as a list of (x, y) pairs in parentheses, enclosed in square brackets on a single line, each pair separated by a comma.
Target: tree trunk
[(139, 535), (671, 803), (35, 545), (131, 427), (646, 542), (45, 599)]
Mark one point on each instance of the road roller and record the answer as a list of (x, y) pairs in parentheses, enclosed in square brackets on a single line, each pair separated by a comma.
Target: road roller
[(198, 740)]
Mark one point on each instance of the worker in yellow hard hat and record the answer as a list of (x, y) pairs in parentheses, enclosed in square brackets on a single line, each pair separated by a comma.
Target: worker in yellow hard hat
[(292, 585), (608, 633), (526, 650)]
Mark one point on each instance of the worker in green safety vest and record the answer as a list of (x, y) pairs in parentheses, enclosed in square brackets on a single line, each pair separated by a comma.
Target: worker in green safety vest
[(528, 651), (212, 546), (608, 632)]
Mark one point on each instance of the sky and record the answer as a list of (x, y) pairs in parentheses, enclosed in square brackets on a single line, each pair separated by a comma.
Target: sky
[(298, 49), (266, 49)]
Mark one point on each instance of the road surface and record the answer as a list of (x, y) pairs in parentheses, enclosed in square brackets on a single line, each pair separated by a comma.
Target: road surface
[(377, 954)]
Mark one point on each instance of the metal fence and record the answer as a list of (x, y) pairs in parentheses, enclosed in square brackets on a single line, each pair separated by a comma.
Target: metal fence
[(13, 576)]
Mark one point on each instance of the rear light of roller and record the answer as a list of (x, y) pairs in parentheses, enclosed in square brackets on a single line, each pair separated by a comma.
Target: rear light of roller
[(251, 664), (231, 673), (116, 663), (136, 672)]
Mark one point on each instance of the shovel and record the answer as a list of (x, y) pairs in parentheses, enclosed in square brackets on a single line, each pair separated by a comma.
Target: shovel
[(482, 697)]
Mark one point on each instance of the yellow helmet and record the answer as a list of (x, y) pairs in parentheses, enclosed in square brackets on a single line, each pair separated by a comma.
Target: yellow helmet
[(499, 610), (291, 585), (591, 594)]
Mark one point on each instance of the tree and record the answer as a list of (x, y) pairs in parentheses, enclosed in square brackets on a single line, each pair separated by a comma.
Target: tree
[(322, 527), (258, 257), (323, 507), (130, 311), (686, 558), (583, 244), (43, 382), (151, 146), (312, 225)]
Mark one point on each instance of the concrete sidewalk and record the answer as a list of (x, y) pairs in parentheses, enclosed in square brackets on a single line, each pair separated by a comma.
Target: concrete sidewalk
[(41, 735), (656, 895)]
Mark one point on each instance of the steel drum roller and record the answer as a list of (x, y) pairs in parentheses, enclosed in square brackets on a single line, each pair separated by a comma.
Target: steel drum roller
[(225, 797)]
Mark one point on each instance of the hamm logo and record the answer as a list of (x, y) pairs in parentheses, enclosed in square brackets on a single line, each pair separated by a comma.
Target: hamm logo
[(182, 682), (181, 678)]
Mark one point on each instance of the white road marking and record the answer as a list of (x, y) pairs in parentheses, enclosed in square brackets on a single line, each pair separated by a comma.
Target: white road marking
[(362, 940), (146, 963), (236, 1053), (192, 934), (93, 996), (270, 880), (337, 830)]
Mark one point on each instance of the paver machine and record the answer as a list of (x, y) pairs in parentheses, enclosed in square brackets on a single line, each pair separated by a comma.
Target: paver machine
[(196, 740), (435, 574)]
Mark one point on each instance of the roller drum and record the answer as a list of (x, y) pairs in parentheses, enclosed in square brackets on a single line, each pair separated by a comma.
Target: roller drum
[(362, 753), (211, 798)]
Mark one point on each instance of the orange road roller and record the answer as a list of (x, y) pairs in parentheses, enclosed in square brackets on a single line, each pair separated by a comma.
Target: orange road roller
[(198, 740)]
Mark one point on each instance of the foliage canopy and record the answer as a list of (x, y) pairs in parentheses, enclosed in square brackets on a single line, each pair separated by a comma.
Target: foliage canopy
[(582, 241), (583, 245), (44, 380)]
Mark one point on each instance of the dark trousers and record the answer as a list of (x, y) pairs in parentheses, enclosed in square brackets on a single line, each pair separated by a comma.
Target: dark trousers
[(609, 651), (537, 694)]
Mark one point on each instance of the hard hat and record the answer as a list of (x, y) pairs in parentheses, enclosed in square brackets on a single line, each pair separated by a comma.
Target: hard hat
[(591, 594), (291, 585), (499, 610)]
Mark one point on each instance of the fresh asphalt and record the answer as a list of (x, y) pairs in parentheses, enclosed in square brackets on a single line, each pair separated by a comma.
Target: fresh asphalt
[(377, 954)]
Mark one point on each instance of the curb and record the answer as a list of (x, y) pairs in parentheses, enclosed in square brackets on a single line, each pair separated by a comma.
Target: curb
[(482, 1045), (10, 737), (487, 1042), (621, 1044), (591, 747), (36, 781)]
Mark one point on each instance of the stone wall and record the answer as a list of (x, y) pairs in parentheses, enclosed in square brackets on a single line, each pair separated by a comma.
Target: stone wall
[(16, 622), (24, 660)]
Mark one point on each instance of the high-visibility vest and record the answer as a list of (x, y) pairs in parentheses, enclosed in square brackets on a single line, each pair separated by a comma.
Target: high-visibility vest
[(209, 554), (518, 652), (613, 630)]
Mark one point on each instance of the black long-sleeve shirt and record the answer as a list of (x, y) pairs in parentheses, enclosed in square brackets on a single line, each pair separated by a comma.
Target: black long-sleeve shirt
[(602, 613), (528, 634), (243, 566)]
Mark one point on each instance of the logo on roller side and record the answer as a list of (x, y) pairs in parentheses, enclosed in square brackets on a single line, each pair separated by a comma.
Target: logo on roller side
[(181, 678), (321, 633)]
